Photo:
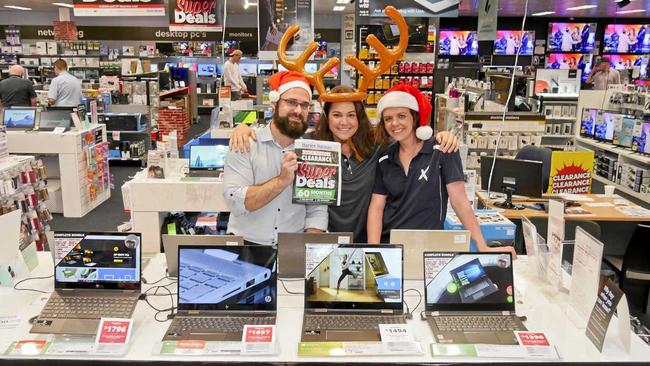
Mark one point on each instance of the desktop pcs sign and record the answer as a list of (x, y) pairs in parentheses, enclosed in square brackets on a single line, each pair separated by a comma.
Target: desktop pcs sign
[(196, 15), (122, 8)]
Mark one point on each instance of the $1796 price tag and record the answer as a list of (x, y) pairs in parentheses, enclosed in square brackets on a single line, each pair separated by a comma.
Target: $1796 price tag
[(114, 331)]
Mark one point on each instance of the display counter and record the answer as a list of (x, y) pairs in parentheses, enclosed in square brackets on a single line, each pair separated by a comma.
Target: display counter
[(544, 314)]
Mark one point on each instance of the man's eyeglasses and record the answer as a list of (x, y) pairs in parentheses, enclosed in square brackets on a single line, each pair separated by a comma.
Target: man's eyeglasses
[(293, 104)]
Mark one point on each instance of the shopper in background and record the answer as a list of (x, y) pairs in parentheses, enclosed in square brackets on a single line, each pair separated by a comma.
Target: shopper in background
[(347, 123), (16, 91), (65, 90), (257, 184), (232, 76), (603, 75), (414, 181)]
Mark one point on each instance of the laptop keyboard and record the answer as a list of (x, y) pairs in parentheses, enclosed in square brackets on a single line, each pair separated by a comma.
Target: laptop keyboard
[(475, 323), (88, 307), (227, 324), (352, 322), (196, 282)]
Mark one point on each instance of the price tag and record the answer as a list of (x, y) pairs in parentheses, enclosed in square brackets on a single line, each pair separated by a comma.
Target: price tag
[(116, 135), (395, 333), (532, 339), (258, 339), (59, 130), (114, 331)]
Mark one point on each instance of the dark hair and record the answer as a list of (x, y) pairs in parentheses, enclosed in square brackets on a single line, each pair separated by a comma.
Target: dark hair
[(61, 64), (604, 59), (362, 139), (382, 137)]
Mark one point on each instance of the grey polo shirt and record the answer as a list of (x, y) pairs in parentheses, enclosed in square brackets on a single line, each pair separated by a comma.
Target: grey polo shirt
[(417, 200), (16, 91), (262, 163), (65, 90)]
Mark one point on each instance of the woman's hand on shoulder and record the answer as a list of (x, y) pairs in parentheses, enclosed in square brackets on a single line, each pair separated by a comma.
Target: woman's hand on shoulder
[(447, 142), (239, 139)]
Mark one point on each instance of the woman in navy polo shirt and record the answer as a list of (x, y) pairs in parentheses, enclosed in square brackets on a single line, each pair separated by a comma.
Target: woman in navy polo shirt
[(413, 179)]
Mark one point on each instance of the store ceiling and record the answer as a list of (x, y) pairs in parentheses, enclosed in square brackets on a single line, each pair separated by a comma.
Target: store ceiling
[(605, 8)]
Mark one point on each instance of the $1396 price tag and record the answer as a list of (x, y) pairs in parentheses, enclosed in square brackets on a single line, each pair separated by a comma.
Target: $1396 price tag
[(114, 331)]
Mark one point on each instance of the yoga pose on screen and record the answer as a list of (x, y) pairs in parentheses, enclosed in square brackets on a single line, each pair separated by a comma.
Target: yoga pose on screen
[(345, 270)]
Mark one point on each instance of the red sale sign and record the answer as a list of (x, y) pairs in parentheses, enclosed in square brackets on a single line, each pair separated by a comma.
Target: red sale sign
[(532, 339), (259, 334), (113, 331)]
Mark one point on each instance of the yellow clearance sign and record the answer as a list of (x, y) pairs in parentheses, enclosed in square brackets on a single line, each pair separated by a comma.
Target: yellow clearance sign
[(571, 172)]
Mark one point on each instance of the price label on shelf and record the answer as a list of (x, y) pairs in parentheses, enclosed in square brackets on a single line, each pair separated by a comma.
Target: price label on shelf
[(114, 331), (258, 339), (532, 339), (395, 333)]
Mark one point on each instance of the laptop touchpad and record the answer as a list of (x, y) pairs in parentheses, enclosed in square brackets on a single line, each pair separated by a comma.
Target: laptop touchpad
[(480, 337), (343, 335)]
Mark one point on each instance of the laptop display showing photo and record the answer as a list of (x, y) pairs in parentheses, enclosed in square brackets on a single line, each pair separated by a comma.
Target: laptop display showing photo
[(172, 242), (208, 160), (19, 118), (247, 117), (470, 297), (52, 119), (291, 250)]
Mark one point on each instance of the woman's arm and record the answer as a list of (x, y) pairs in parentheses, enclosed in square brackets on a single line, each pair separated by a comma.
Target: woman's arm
[(447, 141), (375, 218), (239, 139), (460, 204)]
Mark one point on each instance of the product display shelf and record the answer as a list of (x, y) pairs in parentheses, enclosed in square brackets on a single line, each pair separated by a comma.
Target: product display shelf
[(82, 162), (644, 197)]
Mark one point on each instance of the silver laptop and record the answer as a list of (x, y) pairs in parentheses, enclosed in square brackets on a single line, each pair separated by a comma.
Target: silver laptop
[(291, 250), (350, 290), (223, 288), (172, 242), (416, 242), (96, 275), (470, 298)]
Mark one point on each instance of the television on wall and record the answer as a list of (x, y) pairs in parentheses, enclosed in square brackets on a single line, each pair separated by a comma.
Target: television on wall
[(627, 38), (511, 42), (628, 62), (570, 61), (571, 37), (458, 43)]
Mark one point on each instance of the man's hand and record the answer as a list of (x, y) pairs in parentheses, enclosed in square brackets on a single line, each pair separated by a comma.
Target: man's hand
[(239, 139), (447, 142), (289, 167)]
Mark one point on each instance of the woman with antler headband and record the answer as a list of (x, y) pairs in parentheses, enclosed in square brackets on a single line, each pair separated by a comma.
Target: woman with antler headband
[(414, 181)]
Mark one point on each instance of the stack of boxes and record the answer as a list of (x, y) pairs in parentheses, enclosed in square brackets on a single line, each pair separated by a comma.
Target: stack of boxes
[(635, 178), (606, 166), (174, 118)]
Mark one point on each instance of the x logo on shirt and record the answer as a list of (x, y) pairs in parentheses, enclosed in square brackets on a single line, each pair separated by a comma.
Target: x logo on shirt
[(423, 174)]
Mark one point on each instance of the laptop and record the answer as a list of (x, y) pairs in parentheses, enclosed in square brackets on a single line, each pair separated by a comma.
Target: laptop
[(223, 288), (96, 275), (470, 298), (246, 116), (350, 289), (51, 119), (416, 242), (208, 160), (172, 242), (291, 250), (20, 118)]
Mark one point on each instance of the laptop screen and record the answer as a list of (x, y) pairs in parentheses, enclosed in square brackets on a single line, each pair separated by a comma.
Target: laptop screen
[(51, 119), (354, 276), (208, 157), (468, 281), (227, 278), (247, 117), (23, 118), (97, 260)]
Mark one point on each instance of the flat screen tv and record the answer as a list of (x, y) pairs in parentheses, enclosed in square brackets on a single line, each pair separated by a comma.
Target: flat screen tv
[(458, 43), (511, 42), (570, 61), (571, 37), (626, 38)]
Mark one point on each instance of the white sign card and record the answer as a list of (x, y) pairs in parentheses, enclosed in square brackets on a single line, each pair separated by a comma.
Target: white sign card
[(487, 20), (587, 256), (554, 237)]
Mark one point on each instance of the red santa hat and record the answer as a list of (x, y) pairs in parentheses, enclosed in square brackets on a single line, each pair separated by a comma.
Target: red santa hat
[(409, 97), (282, 81)]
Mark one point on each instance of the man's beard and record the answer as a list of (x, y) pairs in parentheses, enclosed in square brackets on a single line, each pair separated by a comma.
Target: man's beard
[(289, 129)]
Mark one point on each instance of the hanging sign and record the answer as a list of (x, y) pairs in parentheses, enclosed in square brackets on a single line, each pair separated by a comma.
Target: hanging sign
[(122, 8), (487, 20), (368, 9), (196, 15)]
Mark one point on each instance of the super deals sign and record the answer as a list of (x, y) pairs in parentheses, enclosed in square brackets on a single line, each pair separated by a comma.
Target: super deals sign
[(196, 15)]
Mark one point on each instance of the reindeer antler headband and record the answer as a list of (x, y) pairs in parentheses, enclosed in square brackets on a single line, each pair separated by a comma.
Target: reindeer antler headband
[(386, 59)]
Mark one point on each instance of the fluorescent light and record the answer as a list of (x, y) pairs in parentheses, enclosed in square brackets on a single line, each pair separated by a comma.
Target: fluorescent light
[(339, 8), (582, 7), (543, 13), (631, 11), (64, 5), (342, 1), (17, 7)]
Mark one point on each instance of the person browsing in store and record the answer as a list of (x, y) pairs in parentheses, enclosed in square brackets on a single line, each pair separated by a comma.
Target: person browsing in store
[(603, 75), (347, 123), (65, 89), (232, 76), (16, 91), (258, 183), (414, 180)]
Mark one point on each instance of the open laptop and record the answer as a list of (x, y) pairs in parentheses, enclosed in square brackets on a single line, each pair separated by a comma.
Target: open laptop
[(208, 160), (172, 242), (246, 116), (20, 118), (416, 242), (51, 119), (96, 275), (350, 290), (223, 288), (470, 298), (291, 250)]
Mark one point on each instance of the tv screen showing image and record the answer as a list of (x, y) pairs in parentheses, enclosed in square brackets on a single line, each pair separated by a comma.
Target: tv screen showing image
[(570, 61), (458, 43), (207, 70), (511, 42), (641, 138), (604, 127), (247, 69), (588, 121), (628, 62), (626, 38), (571, 37), (230, 45)]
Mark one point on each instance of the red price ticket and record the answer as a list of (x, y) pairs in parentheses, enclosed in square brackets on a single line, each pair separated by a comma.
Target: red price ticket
[(532, 339), (259, 334), (114, 331)]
